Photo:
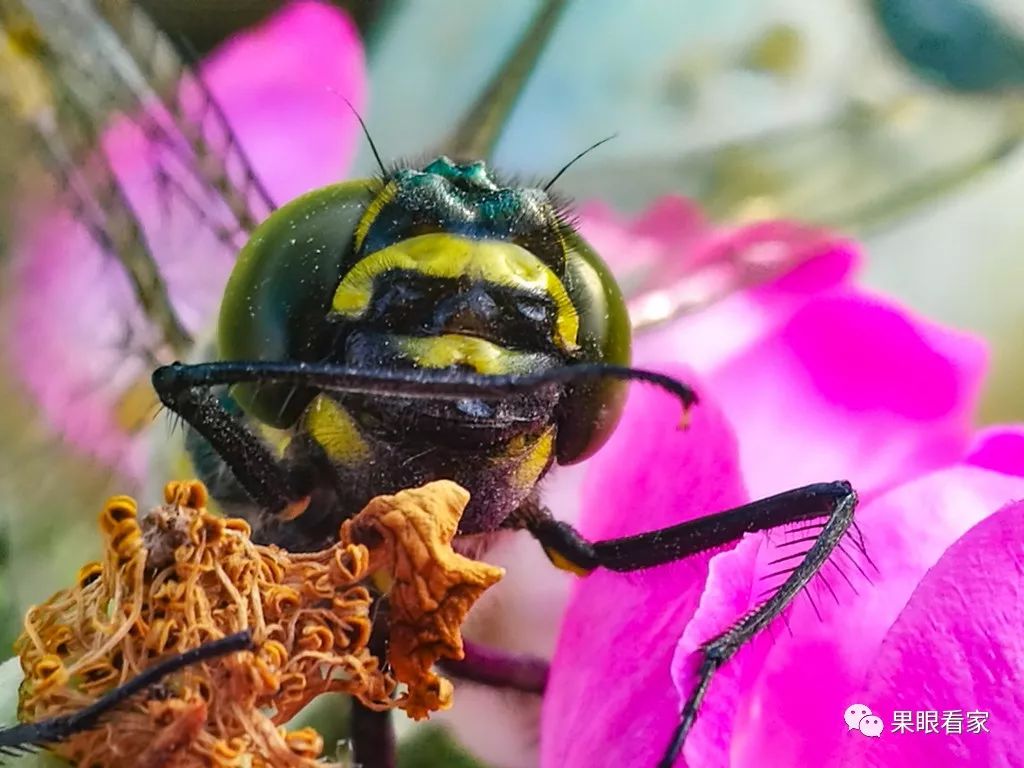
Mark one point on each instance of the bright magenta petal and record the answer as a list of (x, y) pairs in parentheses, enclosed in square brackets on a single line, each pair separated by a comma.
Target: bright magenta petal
[(956, 647), (1000, 449), (78, 339), (791, 713), (730, 592), (805, 359), (850, 388), (610, 673), (671, 254)]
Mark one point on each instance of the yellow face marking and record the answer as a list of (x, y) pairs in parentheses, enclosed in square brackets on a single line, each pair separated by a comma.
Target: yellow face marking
[(278, 439), (452, 349), (335, 430), (385, 196), (449, 256), (536, 458)]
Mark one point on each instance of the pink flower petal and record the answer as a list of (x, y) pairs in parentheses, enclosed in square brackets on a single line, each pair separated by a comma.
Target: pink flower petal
[(283, 85), (791, 712), (730, 591), (625, 686), (658, 245), (850, 388), (79, 341), (817, 263), (1000, 449), (956, 646), (672, 248)]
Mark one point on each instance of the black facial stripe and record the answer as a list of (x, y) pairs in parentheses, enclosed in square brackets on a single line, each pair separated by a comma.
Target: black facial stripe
[(407, 302)]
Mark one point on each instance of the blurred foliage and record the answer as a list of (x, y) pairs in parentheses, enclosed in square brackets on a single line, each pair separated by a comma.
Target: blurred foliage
[(9, 612), (430, 747), (957, 44), (204, 23)]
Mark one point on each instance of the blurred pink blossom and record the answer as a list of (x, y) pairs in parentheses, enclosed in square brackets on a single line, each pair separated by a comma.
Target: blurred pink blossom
[(77, 338)]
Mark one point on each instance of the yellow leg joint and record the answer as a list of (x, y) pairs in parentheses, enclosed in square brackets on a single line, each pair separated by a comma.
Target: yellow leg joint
[(563, 563)]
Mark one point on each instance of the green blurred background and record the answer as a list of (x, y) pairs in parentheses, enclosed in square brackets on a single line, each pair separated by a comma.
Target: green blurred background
[(895, 120)]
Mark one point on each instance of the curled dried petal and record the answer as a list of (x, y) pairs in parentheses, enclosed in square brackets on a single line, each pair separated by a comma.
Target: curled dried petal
[(433, 586)]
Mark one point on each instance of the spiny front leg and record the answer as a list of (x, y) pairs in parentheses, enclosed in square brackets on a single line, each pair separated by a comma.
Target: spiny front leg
[(21, 739), (835, 502)]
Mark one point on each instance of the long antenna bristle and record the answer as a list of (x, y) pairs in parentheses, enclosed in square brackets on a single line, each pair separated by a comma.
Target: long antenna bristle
[(568, 165), (369, 138)]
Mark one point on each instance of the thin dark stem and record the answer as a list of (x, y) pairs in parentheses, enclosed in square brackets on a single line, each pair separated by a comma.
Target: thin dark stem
[(373, 733), (481, 127)]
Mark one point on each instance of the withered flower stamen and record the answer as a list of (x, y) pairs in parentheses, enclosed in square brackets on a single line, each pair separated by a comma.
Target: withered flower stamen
[(180, 576)]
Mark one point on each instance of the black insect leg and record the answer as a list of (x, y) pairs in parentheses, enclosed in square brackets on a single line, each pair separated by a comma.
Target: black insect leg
[(187, 390), (498, 669), (568, 549), (720, 649), (254, 466), (28, 737), (173, 381)]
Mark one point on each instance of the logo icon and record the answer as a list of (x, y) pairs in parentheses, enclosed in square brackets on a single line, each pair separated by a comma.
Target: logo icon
[(858, 717)]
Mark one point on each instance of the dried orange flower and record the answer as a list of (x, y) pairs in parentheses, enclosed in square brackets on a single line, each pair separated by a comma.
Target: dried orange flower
[(180, 576)]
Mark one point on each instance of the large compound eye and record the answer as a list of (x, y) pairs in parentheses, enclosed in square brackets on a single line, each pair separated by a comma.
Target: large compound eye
[(590, 411), (278, 298)]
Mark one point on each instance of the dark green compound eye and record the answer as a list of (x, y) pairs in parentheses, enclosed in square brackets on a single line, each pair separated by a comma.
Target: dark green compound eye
[(588, 415), (279, 294), (279, 300)]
